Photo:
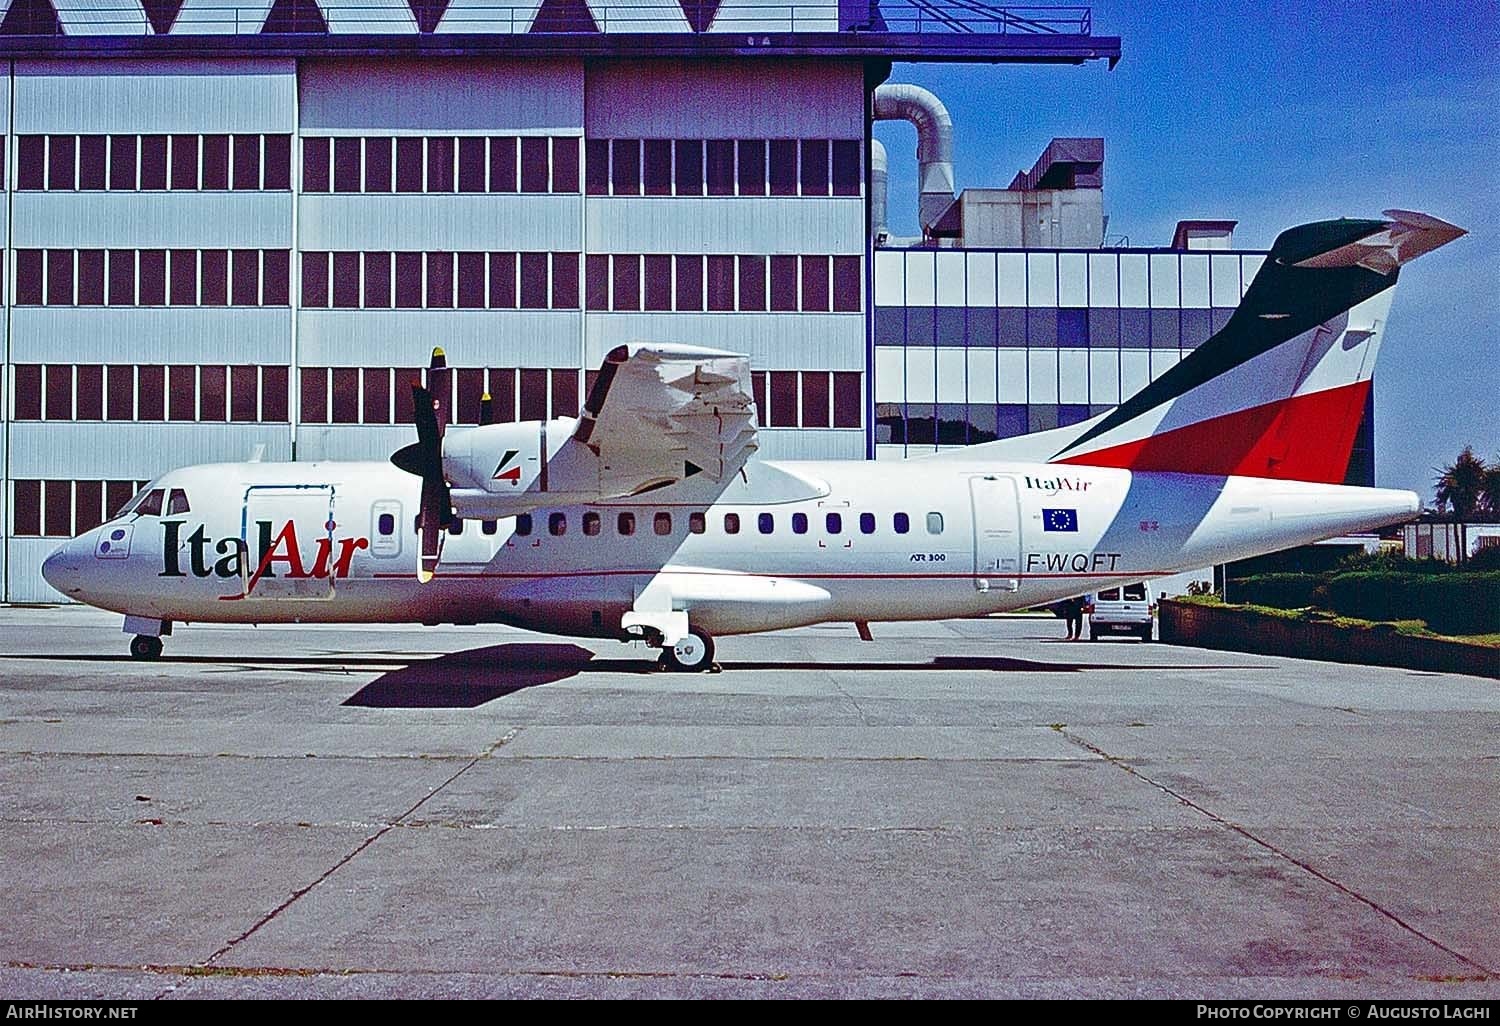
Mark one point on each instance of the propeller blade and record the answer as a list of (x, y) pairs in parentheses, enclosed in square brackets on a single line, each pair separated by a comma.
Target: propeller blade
[(424, 458)]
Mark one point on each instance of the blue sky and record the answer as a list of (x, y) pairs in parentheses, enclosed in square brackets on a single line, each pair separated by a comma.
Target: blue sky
[(1275, 114)]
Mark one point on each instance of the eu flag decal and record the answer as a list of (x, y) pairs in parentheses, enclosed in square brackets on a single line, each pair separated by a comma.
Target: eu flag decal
[(1059, 520)]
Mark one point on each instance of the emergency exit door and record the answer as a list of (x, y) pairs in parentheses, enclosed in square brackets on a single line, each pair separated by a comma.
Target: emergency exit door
[(997, 533)]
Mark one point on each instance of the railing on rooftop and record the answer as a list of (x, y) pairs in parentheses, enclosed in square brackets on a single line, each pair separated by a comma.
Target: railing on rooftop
[(117, 18)]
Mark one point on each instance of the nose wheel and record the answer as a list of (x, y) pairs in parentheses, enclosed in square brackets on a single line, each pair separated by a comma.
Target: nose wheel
[(145, 647), (692, 654)]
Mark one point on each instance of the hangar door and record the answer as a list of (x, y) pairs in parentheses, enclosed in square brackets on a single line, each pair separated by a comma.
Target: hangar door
[(997, 533)]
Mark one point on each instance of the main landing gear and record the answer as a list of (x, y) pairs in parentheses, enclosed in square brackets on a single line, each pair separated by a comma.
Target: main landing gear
[(691, 654)]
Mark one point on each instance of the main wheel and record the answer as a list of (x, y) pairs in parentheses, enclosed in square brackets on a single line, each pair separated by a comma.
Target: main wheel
[(143, 646), (693, 653)]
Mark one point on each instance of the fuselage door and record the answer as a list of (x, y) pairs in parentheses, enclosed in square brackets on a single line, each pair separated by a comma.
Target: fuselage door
[(288, 532), (385, 528), (997, 533)]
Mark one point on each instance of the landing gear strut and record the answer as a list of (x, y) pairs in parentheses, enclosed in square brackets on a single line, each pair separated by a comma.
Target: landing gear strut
[(143, 646), (692, 654)]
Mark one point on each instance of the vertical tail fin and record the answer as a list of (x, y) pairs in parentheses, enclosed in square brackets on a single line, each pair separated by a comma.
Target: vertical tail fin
[(1280, 390)]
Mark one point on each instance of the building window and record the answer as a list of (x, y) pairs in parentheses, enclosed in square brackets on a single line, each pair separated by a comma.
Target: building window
[(784, 283), (626, 285), (657, 279), (213, 392), (93, 163), (752, 283), (689, 283), (378, 164), (783, 167), (316, 163), (721, 283), (721, 170), (153, 162), (471, 164), (815, 167), (752, 167), (534, 281), (689, 169), (565, 164), (814, 399), (656, 169), (124, 157), (535, 170), (848, 399), (815, 283), (315, 279), (503, 174), (783, 412), (625, 167), (409, 164), (347, 169)]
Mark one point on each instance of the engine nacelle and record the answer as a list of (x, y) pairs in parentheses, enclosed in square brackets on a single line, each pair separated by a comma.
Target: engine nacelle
[(499, 470)]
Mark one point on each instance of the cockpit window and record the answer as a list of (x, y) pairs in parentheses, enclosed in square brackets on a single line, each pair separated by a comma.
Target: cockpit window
[(177, 502), (150, 506)]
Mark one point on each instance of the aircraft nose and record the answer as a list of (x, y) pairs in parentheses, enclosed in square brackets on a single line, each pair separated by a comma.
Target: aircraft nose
[(63, 569)]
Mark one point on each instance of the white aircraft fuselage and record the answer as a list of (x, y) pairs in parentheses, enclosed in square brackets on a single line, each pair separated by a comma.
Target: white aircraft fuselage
[(815, 542)]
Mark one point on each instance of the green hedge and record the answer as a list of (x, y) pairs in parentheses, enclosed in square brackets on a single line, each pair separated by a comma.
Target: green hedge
[(1279, 591), (1456, 603), (1452, 602)]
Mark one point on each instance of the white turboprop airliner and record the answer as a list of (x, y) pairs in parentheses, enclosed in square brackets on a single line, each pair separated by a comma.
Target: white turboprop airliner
[(646, 517)]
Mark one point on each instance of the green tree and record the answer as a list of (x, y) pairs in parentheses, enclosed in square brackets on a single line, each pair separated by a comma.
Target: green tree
[(1460, 488), (1489, 500)]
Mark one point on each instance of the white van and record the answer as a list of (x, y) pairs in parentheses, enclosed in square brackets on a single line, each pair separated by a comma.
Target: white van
[(1126, 610)]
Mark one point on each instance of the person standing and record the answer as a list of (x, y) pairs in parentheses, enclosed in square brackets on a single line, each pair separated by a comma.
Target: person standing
[(1073, 610)]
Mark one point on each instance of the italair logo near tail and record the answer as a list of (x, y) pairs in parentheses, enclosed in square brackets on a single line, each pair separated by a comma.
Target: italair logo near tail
[(1280, 390)]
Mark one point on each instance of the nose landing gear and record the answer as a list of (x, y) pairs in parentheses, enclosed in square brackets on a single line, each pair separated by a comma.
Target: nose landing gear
[(148, 633), (143, 646)]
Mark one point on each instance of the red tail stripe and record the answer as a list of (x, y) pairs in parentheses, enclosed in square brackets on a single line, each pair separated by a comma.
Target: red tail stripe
[(1304, 438)]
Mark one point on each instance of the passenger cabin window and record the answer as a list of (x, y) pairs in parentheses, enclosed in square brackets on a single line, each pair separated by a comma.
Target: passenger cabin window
[(177, 502), (697, 523), (151, 505), (731, 523), (386, 524), (591, 524), (625, 524), (1135, 592), (488, 526), (835, 523), (456, 525), (934, 523), (557, 524), (867, 523), (766, 522), (662, 523), (799, 523), (523, 525), (901, 522)]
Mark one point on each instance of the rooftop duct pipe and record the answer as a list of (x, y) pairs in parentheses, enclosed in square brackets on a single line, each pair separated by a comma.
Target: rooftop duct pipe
[(934, 145), (879, 230)]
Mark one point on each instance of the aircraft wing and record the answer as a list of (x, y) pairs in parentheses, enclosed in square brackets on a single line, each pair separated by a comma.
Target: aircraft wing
[(659, 411)]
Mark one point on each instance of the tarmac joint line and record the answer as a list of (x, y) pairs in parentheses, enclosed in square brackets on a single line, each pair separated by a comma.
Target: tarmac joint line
[(207, 966), (1281, 853)]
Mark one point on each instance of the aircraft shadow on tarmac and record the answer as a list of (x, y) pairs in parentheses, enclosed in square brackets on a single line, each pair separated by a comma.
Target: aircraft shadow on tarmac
[(465, 680)]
